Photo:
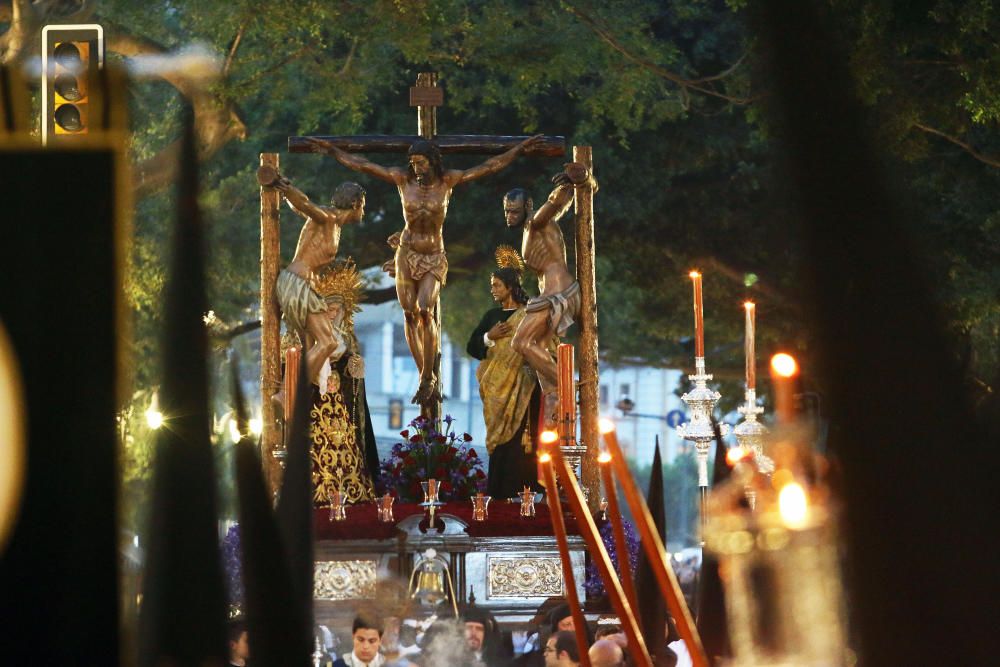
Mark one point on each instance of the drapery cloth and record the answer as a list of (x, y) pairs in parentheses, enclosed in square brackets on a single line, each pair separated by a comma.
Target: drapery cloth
[(297, 300)]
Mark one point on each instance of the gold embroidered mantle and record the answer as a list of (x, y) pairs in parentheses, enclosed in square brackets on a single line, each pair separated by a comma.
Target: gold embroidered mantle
[(505, 385), (338, 463)]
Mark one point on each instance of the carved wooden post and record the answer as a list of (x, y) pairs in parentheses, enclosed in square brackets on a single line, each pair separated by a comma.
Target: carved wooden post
[(587, 357), (270, 321)]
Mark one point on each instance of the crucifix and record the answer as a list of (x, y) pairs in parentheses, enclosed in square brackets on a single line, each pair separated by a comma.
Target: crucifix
[(425, 188)]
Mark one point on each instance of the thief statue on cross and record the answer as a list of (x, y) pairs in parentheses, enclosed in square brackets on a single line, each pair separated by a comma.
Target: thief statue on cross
[(421, 264)]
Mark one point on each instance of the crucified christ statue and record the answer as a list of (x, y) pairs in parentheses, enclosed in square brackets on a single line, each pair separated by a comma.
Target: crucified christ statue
[(421, 264), (544, 251)]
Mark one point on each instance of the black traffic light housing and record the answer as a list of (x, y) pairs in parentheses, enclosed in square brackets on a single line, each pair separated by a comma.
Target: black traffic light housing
[(72, 103)]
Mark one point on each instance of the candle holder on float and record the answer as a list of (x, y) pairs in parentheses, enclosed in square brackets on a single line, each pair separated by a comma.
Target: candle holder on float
[(750, 435), (480, 503), (701, 400), (783, 590), (385, 509), (431, 488), (527, 502), (338, 506)]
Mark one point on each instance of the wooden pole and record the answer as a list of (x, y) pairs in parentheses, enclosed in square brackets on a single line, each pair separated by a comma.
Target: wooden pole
[(599, 555), (270, 319), (569, 581), (656, 553), (587, 362), (618, 528)]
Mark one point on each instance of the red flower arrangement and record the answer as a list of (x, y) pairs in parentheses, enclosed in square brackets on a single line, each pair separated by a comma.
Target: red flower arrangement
[(427, 453)]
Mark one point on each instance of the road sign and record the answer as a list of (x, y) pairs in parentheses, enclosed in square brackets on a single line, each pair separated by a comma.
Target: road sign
[(675, 418)]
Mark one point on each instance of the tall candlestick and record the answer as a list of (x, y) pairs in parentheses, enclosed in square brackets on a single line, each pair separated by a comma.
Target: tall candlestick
[(784, 370), (559, 528), (292, 361), (655, 551), (618, 529), (751, 353), (699, 323), (600, 558), (567, 395)]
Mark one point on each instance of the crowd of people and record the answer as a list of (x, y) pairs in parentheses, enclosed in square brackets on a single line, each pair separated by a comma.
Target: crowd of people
[(475, 639)]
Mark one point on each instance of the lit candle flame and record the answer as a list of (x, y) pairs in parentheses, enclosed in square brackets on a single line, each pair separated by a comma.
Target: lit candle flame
[(735, 455), (793, 505), (605, 425), (154, 418), (694, 274), (548, 437), (604, 457), (544, 457), (256, 426), (784, 365), (749, 305)]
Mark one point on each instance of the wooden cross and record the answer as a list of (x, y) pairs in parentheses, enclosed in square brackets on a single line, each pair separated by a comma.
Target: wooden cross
[(426, 96)]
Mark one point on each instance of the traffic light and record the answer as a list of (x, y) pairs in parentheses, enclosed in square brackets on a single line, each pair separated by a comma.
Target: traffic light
[(71, 95)]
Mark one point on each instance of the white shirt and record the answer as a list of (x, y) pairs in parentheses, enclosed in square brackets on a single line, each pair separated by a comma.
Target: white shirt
[(681, 649), (354, 661)]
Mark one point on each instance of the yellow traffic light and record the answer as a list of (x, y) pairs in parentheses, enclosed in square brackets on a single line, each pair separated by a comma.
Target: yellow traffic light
[(71, 62)]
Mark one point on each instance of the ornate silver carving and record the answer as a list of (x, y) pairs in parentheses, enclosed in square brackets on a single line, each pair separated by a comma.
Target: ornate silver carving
[(520, 577), (344, 579), (750, 433), (699, 430)]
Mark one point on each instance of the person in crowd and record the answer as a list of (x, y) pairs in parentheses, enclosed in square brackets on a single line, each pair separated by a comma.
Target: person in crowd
[(483, 638), (561, 650), (239, 646), (606, 653), (366, 633)]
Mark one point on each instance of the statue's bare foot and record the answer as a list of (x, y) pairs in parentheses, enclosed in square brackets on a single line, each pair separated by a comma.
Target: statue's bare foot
[(551, 411), (428, 392)]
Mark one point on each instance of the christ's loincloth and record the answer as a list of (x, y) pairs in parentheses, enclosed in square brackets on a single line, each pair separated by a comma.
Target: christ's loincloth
[(420, 264), (564, 307), (297, 299)]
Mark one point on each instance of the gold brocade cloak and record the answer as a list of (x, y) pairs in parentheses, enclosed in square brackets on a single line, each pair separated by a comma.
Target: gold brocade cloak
[(338, 462), (505, 385)]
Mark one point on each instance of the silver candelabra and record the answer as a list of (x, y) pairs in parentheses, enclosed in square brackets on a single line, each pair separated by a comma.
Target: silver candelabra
[(701, 400), (750, 433)]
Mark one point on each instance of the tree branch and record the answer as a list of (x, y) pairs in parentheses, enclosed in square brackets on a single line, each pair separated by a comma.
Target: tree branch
[(234, 45), (985, 159), (683, 83)]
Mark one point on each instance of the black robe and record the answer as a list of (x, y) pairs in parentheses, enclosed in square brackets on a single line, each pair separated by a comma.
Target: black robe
[(511, 468)]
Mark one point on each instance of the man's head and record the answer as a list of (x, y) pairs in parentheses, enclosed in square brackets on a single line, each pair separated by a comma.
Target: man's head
[(517, 207), (478, 622), (367, 634), (349, 197), (606, 653), (425, 163), (560, 650), (239, 646), (561, 618)]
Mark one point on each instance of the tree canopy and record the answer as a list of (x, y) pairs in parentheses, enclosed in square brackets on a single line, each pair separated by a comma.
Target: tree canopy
[(670, 95)]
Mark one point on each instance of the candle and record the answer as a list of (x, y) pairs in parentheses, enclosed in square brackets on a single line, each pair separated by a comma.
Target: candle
[(784, 368), (292, 359), (655, 552), (699, 323), (559, 528), (567, 395), (617, 527), (600, 558), (751, 353)]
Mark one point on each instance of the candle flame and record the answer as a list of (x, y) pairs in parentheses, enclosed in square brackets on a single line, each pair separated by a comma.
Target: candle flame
[(256, 426), (694, 274), (548, 437), (784, 365), (604, 457), (544, 457), (605, 425), (749, 305), (234, 431), (735, 455), (793, 505)]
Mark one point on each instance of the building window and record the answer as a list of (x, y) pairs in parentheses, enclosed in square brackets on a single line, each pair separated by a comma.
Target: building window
[(604, 394), (624, 391)]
